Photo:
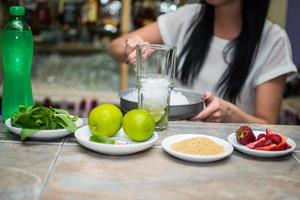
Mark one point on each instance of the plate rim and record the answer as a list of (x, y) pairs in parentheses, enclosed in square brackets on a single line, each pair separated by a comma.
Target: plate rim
[(197, 158), (79, 123), (260, 153), (150, 141)]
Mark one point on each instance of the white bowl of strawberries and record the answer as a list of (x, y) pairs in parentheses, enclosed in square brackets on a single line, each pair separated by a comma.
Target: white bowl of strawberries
[(262, 144)]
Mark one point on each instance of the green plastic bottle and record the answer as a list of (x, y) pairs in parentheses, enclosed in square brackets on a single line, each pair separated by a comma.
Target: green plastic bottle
[(17, 50)]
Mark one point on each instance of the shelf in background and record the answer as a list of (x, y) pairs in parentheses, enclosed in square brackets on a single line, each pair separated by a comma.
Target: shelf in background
[(68, 48), (76, 101)]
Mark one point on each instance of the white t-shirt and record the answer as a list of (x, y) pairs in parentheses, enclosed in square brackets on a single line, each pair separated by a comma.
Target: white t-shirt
[(273, 58)]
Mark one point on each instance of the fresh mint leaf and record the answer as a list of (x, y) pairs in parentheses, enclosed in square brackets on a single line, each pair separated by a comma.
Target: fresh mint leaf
[(22, 109), (66, 122), (27, 132), (24, 121), (102, 139), (59, 111), (42, 118), (74, 118)]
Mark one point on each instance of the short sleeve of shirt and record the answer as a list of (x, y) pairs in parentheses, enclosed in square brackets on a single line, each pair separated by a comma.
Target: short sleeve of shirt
[(174, 26), (275, 56)]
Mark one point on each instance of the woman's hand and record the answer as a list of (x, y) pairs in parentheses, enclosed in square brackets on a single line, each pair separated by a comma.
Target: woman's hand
[(130, 48), (122, 48), (215, 109), (267, 106)]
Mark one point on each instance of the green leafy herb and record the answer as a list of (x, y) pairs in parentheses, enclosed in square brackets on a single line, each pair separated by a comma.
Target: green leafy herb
[(33, 119), (27, 132), (102, 139), (66, 122)]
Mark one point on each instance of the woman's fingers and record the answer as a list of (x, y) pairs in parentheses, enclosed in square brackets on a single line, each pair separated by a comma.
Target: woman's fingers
[(132, 42), (204, 114), (208, 97), (214, 117), (212, 111), (208, 111), (147, 52), (216, 110), (130, 49), (131, 57)]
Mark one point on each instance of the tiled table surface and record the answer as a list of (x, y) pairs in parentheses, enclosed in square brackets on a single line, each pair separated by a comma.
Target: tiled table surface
[(63, 169)]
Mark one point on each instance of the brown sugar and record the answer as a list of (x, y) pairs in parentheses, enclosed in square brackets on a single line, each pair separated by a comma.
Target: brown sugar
[(198, 146)]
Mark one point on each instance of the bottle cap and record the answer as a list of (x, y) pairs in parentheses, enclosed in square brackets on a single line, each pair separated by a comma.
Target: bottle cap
[(16, 10)]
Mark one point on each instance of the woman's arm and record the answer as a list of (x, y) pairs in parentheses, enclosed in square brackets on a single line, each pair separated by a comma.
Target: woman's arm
[(149, 33), (267, 105), (268, 99)]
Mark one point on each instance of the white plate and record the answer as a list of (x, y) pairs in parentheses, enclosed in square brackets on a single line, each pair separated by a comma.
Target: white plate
[(43, 134), (167, 143), (83, 137), (259, 153)]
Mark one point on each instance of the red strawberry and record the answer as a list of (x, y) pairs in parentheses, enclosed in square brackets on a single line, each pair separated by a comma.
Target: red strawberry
[(270, 132), (266, 148), (282, 145), (276, 139), (244, 135), (252, 144), (263, 143), (261, 136)]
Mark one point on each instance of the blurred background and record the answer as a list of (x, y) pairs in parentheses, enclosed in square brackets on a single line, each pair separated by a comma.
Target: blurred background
[(72, 69)]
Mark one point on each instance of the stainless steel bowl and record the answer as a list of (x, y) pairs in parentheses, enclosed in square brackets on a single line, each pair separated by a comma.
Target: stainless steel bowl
[(177, 112)]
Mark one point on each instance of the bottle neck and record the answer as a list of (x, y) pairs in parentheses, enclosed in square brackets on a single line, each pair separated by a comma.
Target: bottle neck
[(13, 17), (17, 23)]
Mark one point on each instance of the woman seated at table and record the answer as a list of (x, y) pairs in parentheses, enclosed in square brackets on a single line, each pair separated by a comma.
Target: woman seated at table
[(226, 50)]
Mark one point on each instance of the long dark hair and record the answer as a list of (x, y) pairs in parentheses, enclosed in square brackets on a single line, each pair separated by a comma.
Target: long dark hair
[(243, 48)]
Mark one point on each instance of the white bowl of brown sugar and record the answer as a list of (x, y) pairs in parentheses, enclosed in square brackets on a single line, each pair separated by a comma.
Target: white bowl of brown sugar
[(196, 147)]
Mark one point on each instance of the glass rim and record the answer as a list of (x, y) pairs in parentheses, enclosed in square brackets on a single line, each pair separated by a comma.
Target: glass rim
[(158, 46)]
